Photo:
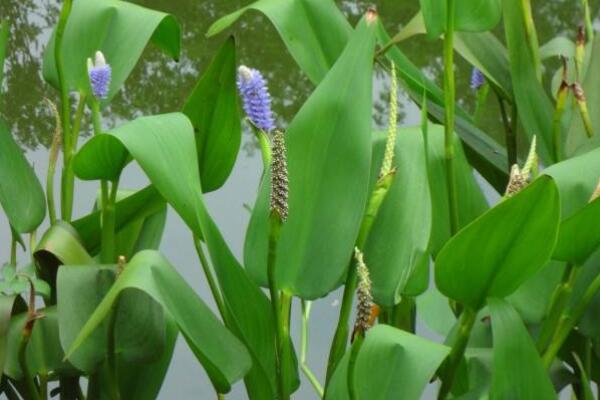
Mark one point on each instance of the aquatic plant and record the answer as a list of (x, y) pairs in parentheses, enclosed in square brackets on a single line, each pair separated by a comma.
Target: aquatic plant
[(396, 219)]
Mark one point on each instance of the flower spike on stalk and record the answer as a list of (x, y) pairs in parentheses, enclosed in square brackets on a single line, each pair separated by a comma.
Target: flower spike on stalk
[(386, 167), (364, 299), (519, 178), (256, 99), (477, 79), (279, 177), (99, 73), (583, 109)]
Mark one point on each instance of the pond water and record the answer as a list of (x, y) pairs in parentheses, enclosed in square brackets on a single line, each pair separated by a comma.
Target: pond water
[(160, 85)]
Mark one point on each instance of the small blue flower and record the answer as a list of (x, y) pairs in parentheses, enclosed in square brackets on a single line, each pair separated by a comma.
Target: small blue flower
[(477, 79), (99, 73), (256, 99)]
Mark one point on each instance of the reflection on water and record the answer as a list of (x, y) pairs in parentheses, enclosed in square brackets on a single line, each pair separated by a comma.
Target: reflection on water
[(160, 85)]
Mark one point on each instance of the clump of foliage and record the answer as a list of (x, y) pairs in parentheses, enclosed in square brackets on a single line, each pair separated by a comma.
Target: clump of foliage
[(514, 285)]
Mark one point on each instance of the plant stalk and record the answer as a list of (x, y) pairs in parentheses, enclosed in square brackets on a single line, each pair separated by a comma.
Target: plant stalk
[(532, 39), (449, 100), (22, 356), (214, 288), (286, 345), (107, 253), (509, 133), (111, 356), (450, 366), (306, 306)]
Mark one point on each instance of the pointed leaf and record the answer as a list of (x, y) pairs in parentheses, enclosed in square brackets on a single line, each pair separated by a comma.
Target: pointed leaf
[(579, 235), (518, 370), (120, 30), (213, 109), (501, 249)]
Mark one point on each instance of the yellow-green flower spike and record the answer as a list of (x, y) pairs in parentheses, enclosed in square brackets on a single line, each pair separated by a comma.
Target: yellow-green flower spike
[(519, 178), (532, 158), (580, 50), (364, 299), (279, 177), (390, 145)]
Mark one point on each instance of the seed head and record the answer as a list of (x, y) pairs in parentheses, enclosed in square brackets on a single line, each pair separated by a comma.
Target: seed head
[(364, 298), (390, 145), (279, 177)]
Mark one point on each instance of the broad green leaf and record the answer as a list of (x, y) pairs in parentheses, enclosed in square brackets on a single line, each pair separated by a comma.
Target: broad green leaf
[(21, 194), (400, 233), (477, 16), (558, 46), (390, 363), (589, 324), (7, 304), (518, 370), (213, 109), (120, 30), (487, 156), (224, 358), (579, 235), (44, 353), (577, 140), (497, 252), (329, 150), (145, 204), (170, 138), (484, 51), (576, 179), (535, 108), (314, 31)]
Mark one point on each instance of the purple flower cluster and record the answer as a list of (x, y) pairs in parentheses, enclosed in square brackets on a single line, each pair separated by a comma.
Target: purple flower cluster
[(477, 79), (255, 96), (99, 73)]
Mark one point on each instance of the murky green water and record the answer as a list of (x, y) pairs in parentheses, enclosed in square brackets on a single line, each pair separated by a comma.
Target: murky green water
[(160, 85)]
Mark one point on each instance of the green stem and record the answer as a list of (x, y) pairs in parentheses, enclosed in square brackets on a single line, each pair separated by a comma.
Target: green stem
[(214, 288), (286, 345), (107, 253), (589, 26), (220, 396), (274, 230), (449, 102), (265, 145), (43, 386), (111, 356), (450, 367), (509, 134), (532, 39), (558, 303), (358, 341), (561, 100), (568, 320), (306, 306), (22, 356), (13, 251), (67, 198)]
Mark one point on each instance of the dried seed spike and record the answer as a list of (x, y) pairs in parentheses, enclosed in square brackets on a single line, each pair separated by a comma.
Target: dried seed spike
[(57, 138), (390, 145), (279, 177), (364, 299), (371, 14), (516, 182)]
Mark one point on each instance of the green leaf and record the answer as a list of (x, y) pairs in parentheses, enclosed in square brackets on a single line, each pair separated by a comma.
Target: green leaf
[(144, 205), (535, 108), (44, 353), (21, 194), (213, 109), (558, 46), (8, 304), (399, 235), (120, 30), (487, 156), (224, 358), (497, 252), (322, 27), (170, 138), (579, 235), (390, 363), (328, 152), (518, 370), (577, 141), (477, 16)]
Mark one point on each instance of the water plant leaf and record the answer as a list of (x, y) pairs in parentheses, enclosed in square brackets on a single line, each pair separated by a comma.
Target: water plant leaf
[(329, 150), (399, 235), (21, 194), (497, 252), (120, 30), (518, 372), (579, 235), (487, 156), (8, 304), (391, 363), (213, 109), (323, 28), (170, 137), (223, 356), (535, 108), (44, 353), (480, 15)]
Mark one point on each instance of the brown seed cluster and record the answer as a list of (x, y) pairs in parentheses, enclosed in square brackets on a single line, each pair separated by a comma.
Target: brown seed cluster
[(279, 177), (518, 180), (364, 298)]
